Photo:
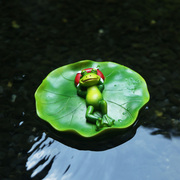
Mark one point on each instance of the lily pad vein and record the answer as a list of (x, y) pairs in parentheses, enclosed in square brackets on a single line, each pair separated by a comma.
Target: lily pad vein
[(59, 93), (68, 112), (121, 107), (66, 78)]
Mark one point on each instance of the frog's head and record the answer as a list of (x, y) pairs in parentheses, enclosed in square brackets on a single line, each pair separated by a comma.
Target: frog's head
[(89, 79)]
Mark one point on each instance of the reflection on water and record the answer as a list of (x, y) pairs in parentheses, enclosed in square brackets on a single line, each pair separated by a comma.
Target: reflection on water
[(42, 154), (143, 157)]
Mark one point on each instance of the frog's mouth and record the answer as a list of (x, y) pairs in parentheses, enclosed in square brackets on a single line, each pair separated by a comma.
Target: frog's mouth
[(92, 79)]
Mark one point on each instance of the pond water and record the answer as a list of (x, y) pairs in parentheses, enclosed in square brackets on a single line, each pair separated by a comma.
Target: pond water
[(39, 36)]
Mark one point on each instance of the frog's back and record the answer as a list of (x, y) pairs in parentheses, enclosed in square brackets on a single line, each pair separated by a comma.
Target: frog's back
[(93, 96)]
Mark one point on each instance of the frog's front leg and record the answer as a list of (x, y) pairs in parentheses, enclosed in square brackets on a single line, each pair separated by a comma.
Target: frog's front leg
[(81, 92)]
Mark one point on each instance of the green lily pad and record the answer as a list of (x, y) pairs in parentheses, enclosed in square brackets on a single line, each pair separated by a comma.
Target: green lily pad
[(57, 101)]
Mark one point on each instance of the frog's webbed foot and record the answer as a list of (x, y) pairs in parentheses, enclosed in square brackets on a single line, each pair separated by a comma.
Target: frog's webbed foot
[(105, 121), (99, 124)]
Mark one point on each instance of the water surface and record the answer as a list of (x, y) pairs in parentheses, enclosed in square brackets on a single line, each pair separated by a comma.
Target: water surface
[(145, 156)]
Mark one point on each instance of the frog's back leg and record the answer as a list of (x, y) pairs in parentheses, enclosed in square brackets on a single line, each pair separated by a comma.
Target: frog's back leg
[(106, 119), (89, 115), (103, 106)]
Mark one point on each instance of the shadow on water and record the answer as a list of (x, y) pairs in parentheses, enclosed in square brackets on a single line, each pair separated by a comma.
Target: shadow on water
[(97, 143)]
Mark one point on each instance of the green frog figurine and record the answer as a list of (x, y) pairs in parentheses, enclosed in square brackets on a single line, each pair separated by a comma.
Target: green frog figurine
[(90, 87)]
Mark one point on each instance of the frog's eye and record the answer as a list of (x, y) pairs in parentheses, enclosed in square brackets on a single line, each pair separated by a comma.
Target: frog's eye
[(83, 72), (94, 71)]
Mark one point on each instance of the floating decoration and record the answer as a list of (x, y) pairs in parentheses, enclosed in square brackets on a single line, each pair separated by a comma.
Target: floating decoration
[(89, 98)]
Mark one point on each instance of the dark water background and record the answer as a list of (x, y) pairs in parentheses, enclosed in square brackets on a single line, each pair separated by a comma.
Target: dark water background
[(38, 36)]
